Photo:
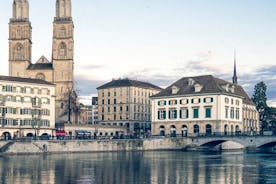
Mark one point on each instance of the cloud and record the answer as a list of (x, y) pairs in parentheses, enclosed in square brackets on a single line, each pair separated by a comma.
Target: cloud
[(201, 64)]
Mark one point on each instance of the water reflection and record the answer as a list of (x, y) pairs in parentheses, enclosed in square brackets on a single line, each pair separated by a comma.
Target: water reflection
[(139, 167)]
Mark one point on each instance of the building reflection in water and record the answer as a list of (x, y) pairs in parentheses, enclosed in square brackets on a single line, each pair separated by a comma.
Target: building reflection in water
[(137, 167)]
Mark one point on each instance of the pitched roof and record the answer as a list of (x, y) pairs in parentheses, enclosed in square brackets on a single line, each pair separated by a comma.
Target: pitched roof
[(26, 80), (207, 84), (128, 82)]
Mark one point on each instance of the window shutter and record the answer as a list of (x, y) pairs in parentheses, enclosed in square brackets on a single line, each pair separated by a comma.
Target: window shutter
[(158, 114), (180, 113)]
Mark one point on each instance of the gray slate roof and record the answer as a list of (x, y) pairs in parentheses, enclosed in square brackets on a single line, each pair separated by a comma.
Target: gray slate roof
[(209, 83), (20, 79), (128, 82)]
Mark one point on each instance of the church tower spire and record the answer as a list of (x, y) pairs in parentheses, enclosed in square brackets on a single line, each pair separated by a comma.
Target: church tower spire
[(235, 78), (63, 54), (20, 39)]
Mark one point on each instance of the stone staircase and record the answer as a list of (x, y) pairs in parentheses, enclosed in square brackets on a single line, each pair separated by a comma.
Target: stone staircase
[(6, 146)]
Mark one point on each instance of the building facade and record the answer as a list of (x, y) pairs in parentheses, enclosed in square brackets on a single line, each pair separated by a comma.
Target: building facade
[(61, 67), (203, 105), (27, 107), (126, 102), (95, 114)]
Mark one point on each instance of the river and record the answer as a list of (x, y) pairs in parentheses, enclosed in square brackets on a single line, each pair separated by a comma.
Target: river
[(168, 167)]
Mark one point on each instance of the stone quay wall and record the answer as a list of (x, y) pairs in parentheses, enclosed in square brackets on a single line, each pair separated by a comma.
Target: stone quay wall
[(82, 146)]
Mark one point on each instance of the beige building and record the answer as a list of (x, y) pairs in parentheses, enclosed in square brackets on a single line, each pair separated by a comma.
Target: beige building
[(126, 102), (203, 105), (27, 107), (59, 70)]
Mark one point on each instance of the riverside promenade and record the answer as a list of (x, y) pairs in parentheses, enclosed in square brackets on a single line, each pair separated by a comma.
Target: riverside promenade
[(150, 144)]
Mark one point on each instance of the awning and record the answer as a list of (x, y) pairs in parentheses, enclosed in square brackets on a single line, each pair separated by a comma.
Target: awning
[(83, 132), (60, 133)]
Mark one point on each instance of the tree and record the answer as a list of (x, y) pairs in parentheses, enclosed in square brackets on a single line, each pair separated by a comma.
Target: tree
[(260, 98)]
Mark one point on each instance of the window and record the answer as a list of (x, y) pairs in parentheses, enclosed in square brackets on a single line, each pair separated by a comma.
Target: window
[(62, 51), (208, 100), (161, 103), (184, 113), (237, 113), (195, 112), (172, 114), (226, 112), (127, 108), (162, 114), (237, 102), (208, 112), (226, 100), (18, 52), (108, 94), (108, 101), (115, 109), (115, 101), (173, 102), (121, 108), (184, 101), (102, 94), (232, 113)]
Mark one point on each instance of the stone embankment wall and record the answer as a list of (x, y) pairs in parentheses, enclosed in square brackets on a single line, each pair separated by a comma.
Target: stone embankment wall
[(74, 146)]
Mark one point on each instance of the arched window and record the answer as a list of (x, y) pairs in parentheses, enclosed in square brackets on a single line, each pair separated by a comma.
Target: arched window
[(40, 76), (62, 51), (196, 129), (62, 32), (208, 129), (18, 52)]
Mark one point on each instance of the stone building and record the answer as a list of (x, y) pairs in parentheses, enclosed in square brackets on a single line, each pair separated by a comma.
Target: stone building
[(126, 102), (203, 105), (59, 70), (27, 107)]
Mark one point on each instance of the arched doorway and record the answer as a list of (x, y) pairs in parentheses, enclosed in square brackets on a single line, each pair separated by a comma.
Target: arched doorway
[(45, 136), (7, 136), (184, 131), (173, 131), (226, 129), (162, 130), (30, 134), (196, 129), (208, 129), (237, 130)]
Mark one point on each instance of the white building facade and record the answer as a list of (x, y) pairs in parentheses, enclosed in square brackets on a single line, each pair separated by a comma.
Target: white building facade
[(27, 107), (202, 105)]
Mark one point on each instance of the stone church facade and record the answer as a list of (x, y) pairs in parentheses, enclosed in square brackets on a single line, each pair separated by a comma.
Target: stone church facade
[(60, 69)]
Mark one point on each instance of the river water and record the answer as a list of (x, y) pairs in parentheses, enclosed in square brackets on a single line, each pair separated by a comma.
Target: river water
[(172, 167)]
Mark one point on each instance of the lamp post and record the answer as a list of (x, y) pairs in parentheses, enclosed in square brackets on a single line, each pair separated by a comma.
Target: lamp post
[(35, 124)]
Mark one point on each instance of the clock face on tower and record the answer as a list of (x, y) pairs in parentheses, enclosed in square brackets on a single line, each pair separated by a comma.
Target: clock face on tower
[(40, 76)]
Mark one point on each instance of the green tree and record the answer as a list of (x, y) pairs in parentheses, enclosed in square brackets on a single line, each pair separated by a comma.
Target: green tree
[(260, 98)]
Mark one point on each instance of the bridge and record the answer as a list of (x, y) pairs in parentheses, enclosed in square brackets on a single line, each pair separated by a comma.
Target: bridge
[(258, 142)]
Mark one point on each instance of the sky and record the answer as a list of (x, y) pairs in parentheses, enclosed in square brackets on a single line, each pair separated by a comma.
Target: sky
[(159, 41)]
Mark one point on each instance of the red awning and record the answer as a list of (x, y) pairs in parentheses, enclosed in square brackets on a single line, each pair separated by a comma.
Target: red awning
[(60, 132)]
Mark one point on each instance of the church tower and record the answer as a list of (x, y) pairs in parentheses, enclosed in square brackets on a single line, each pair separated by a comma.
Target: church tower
[(63, 54), (20, 39)]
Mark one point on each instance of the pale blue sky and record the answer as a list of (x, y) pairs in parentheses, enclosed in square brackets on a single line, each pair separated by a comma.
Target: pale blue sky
[(159, 41)]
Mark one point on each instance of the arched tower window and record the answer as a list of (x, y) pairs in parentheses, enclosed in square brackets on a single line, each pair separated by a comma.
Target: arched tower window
[(40, 76), (62, 51), (62, 32), (18, 52)]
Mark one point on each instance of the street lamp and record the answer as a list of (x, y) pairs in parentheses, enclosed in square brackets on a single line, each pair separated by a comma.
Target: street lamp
[(35, 124)]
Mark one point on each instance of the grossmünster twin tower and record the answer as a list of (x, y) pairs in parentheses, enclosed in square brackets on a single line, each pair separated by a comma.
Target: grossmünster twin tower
[(59, 70)]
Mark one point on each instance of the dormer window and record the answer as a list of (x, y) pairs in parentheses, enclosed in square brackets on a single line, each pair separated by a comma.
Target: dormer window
[(191, 82), (232, 89), (197, 87), (175, 90)]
